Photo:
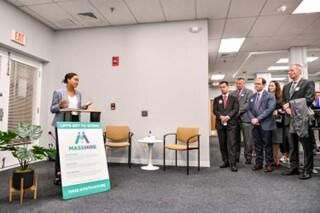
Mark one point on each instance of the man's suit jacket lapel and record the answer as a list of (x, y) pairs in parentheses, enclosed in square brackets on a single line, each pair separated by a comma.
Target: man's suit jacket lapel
[(297, 86)]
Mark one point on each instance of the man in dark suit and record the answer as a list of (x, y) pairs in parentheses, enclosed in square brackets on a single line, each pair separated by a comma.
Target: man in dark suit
[(226, 108), (260, 110), (298, 88), (243, 94)]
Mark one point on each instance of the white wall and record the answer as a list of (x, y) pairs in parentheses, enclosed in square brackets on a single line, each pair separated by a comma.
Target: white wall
[(163, 69), (38, 36), (39, 45)]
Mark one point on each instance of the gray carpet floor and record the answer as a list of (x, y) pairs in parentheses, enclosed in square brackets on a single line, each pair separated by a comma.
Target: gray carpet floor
[(210, 190)]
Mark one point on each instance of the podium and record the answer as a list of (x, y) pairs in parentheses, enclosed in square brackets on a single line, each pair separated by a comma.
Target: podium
[(94, 114)]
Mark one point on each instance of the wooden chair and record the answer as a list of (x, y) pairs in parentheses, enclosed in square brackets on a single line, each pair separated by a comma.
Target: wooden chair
[(22, 191), (189, 139), (119, 137)]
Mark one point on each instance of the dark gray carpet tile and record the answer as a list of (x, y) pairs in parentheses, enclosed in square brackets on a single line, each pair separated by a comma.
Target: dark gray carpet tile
[(210, 190)]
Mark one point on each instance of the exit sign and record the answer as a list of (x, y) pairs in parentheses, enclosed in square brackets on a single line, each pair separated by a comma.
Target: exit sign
[(18, 37)]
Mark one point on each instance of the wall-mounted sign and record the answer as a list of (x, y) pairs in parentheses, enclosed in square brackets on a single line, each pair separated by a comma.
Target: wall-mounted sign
[(115, 61), (18, 37)]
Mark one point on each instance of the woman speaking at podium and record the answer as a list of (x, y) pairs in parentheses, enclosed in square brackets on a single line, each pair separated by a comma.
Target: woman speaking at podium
[(67, 97)]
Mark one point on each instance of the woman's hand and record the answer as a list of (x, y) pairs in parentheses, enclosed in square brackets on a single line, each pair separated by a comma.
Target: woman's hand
[(64, 103)]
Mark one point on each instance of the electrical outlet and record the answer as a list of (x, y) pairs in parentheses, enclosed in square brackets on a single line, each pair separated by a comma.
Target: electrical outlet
[(144, 113), (113, 106)]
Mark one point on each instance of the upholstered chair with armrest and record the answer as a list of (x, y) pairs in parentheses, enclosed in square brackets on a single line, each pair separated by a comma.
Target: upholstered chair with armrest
[(186, 139), (119, 137)]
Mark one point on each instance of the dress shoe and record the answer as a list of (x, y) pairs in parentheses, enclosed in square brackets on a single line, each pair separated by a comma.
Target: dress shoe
[(224, 165), (290, 172), (305, 176), (233, 168), (248, 161), (257, 167), (267, 168), (57, 181)]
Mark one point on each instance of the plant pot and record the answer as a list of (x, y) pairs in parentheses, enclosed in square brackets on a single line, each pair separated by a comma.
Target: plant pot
[(27, 175)]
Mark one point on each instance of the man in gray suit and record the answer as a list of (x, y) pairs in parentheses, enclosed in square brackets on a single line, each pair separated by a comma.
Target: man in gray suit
[(296, 89), (260, 112), (243, 94)]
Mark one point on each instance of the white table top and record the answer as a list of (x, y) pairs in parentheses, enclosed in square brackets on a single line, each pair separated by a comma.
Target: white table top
[(150, 140)]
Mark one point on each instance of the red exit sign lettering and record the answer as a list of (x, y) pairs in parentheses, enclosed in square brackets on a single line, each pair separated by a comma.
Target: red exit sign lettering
[(18, 37)]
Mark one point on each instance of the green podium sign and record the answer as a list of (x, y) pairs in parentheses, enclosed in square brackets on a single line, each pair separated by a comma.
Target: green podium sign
[(83, 161)]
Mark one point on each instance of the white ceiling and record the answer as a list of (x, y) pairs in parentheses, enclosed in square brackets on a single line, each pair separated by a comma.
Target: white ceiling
[(257, 20)]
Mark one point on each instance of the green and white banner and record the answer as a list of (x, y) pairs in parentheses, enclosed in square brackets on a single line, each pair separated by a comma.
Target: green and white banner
[(83, 161)]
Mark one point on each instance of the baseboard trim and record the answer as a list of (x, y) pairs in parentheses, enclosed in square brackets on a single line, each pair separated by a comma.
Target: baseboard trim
[(158, 162)]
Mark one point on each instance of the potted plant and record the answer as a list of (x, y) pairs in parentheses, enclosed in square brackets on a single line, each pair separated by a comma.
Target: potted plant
[(18, 143)]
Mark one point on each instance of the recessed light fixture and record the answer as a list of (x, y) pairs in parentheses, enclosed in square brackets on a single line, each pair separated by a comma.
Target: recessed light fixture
[(286, 60), (229, 45), (217, 77), (308, 6), (282, 9), (272, 68)]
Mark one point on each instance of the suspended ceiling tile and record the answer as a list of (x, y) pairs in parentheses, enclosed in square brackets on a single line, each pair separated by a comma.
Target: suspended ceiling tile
[(267, 25), (83, 6), (213, 9), (120, 14), (40, 18), (306, 40), (296, 24), (245, 8), (272, 6), (54, 14), (238, 27), (215, 28), (314, 27), (34, 2), (16, 2), (179, 9), (146, 10), (267, 43)]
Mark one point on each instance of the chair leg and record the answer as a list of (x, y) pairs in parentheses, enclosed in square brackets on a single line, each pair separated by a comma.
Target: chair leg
[(10, 189), (176, 157), (199, 159), (164, 158), (129, 156), (187, 161), (21, 190)]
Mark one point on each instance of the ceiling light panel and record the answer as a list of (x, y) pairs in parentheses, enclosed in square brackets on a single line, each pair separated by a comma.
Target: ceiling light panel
[(230, 45), (308, 6)]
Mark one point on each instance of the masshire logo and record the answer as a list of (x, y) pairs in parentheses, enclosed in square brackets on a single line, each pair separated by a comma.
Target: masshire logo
[(82, 142)]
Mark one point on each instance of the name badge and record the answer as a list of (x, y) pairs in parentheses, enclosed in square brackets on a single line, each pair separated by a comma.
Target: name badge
[(297, 89), (220, 101), (242, 95), (251, 100)]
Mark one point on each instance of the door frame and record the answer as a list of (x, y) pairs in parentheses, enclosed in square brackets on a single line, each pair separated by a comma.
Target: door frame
[(6, 58)]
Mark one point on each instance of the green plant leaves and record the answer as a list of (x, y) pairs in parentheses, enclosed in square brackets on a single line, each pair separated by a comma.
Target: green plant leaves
[(5, 139), (28, 132)]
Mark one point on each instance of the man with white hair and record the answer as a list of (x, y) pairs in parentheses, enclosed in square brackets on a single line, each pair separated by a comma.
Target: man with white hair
[(298, 88)]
